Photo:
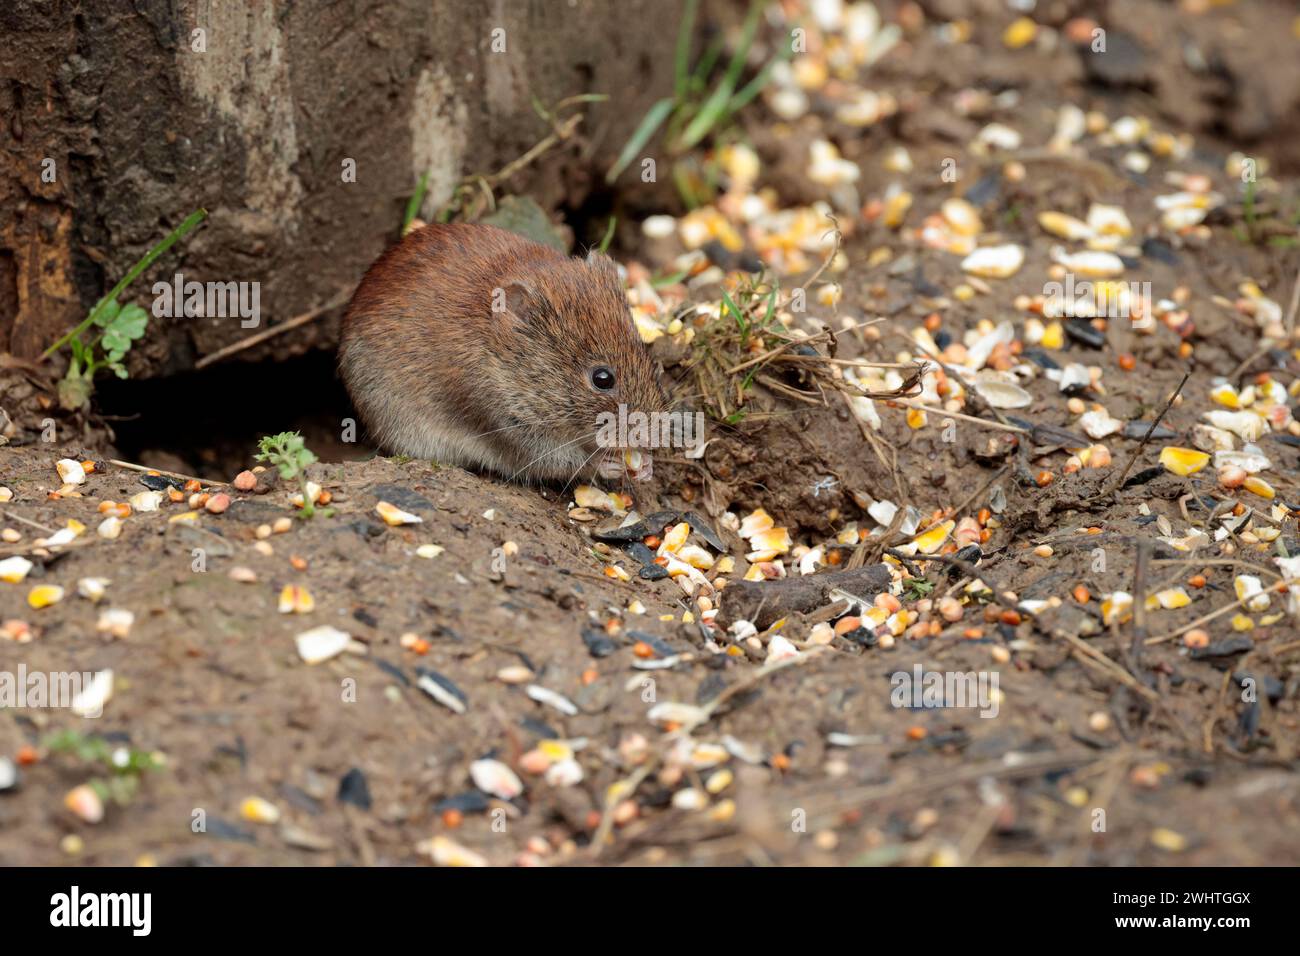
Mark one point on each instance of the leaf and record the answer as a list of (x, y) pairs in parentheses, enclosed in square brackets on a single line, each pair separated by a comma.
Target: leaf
[(131, 321), (115, 344), (74, 391), (523, 215), (105, 312)]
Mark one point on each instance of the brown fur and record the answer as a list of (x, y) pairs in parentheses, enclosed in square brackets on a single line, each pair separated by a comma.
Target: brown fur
[(436, 373)]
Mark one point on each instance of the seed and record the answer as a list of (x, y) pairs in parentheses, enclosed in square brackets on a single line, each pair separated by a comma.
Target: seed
[(218, 503), (1196, 637), (43, 595), (1183, 461), (1196, 581), (263, 531), (1044, 478), (1099, 721), (1081, 594), (245, 481), (1232, 476), (1258, 486), (299, 563), (1010, 617), (85, 803), (973, 633), (1127, 362), (1044, 551), (72, 472), (295, 599), (257, 810), (282, 525), (394, 515)]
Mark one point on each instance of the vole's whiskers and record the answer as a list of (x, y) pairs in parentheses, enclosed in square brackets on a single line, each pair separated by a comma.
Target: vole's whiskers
[(549, 451), (579, 469)]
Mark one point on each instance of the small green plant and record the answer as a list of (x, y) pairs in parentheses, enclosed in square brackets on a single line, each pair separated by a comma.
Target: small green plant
[(125, 766), (916, 588), (117, 327), (693, 112), (415, 202), (289, 454)]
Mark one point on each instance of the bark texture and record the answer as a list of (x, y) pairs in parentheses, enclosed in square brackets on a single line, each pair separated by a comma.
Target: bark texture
[(142, 128)]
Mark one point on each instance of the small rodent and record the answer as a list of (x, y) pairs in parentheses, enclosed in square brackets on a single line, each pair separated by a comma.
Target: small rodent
[(474, 346)]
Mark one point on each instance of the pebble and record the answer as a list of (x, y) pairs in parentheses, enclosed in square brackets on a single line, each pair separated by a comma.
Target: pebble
[(8, 774)]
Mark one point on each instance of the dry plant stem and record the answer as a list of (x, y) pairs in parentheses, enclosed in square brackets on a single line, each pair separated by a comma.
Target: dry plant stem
[(910, 403), (972, 498), (1146, 438), (1208, 729), (810, 340), (170, 474), (1218, 562), (1206, 618), (27, 521), (1133, 650), (259, 337), (1085, 653), (562, 132)]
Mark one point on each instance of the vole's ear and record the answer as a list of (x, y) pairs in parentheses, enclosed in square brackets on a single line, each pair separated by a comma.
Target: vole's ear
[(516, 301)]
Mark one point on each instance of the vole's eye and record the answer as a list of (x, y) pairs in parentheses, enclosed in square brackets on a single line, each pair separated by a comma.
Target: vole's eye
[(602, 379)]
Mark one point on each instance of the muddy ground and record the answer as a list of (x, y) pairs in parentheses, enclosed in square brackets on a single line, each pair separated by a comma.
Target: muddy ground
[(820, 767)]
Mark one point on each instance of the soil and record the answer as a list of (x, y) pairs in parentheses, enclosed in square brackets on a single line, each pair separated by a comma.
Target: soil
[(1181, 770)]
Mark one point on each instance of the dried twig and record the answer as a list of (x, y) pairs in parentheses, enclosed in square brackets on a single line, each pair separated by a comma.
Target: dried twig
[(1145, 438), (170, 474), (259, 337)]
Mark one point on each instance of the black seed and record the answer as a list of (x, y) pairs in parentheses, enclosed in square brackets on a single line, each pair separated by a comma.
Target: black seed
[(354, 789), (598, 643)]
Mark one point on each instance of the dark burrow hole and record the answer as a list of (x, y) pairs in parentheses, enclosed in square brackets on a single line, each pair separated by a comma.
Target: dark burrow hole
[(207, 423)]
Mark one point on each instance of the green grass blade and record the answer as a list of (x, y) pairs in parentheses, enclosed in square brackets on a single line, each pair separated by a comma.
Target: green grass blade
[(609, 234), (416, 201), (755, 86), (144, 263), (713, 110), (683, 61), (648, 127)]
